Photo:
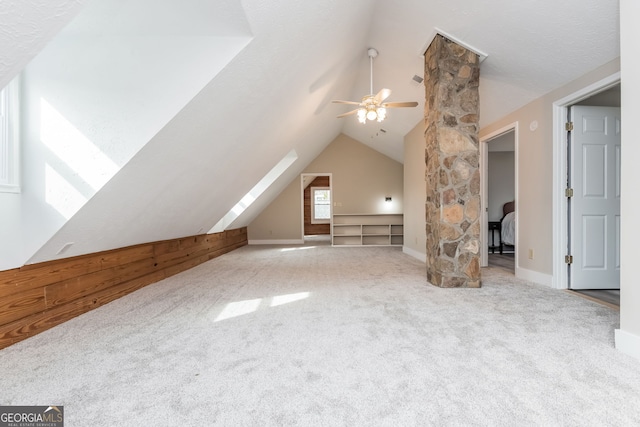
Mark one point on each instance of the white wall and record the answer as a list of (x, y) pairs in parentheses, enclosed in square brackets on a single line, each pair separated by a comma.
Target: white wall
[(628, 336), (229, 135), (361, 179), (27, 26), (535, 151), (501, 181), (415, 193), (93, 97), (607, 98)]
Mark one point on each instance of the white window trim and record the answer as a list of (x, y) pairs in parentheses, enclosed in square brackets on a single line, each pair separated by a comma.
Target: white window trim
[(313, 206), (9, 141)]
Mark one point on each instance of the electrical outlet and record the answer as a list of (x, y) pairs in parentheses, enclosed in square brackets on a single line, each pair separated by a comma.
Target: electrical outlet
[(530, 253)]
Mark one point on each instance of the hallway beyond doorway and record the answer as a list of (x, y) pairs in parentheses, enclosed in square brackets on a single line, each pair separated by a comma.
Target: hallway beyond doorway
[(505, 261)]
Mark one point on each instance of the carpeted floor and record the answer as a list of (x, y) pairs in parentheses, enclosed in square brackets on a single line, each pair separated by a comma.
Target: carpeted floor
[(323, 336), (608, 297)]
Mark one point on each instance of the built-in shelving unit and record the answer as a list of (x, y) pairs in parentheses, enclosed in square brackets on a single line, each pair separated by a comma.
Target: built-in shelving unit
[(367, 230)]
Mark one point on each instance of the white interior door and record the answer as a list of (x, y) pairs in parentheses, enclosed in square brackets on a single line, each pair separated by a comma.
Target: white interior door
[(594, 214)]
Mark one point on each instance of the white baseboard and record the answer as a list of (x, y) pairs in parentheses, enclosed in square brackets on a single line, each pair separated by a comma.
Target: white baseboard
[(535, 277), (627, 343), (417, 255), (277, 242)]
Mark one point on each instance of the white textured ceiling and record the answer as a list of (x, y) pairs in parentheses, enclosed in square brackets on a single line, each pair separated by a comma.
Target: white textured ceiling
[(533, 47), (274, 96), (25, 28)]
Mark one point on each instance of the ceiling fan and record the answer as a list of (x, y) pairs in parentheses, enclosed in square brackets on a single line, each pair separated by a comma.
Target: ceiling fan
[(373, 107)]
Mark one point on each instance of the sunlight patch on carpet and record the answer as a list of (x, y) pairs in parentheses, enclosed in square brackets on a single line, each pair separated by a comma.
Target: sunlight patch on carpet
[(297, 249), (239, 308), (286, 299)]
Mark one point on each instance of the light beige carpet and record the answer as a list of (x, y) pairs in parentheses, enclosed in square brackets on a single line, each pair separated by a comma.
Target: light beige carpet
[(323, 336)]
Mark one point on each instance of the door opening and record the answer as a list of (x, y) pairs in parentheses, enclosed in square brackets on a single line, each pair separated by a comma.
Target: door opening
[(317, 207), (593, 192), (499, 195), (560, 221)]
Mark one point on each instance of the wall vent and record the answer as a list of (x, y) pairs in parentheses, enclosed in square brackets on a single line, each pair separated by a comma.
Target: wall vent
[(65, 248)]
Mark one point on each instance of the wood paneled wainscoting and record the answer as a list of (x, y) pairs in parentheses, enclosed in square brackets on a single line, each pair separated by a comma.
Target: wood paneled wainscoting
[(36, 297)]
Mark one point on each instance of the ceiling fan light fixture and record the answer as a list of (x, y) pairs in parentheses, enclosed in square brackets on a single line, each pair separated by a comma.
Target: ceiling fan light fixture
[(362, 115), (372, 107)]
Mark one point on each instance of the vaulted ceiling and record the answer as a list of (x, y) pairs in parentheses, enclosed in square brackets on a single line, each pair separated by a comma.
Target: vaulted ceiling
[(195, 102)]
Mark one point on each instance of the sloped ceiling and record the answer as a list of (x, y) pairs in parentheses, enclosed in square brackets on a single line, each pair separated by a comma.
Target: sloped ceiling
[(274, 96), (532, 47), (25, 28)]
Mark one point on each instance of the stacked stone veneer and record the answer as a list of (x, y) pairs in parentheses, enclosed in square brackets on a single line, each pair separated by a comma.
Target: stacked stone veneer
[(452, 165)]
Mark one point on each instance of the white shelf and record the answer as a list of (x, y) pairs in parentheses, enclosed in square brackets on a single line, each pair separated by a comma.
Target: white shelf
[(367, 230)]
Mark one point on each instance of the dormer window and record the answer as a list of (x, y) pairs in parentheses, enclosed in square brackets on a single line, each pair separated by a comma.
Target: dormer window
[(9, 138), (321, 205)]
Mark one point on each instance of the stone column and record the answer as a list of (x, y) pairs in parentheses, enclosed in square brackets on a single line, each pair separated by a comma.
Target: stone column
[(452, 160)]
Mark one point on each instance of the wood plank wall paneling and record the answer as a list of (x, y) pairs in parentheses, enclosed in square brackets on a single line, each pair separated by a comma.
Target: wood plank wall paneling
[(36, 297), (313, 229)]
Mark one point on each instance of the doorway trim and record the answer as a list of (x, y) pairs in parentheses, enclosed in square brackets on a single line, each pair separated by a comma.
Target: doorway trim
[(484, 179), (302, 175), (560, 279)]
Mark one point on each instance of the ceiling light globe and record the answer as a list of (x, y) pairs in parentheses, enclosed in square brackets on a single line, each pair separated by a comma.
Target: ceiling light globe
[(362, 115), (372, 115)]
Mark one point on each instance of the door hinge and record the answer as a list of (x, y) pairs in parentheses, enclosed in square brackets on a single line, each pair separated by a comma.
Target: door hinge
[(568, 126), (568, 192), (568, 259)]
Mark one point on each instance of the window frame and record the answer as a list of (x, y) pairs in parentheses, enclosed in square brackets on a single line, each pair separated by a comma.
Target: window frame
[(10, 137), (312, 201)]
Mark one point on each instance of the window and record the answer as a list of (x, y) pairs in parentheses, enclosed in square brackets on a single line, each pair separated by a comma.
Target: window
[(320, 205), (9, 149)]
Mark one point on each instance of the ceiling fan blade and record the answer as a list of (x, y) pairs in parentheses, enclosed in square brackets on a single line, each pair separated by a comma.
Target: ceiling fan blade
[(348, 114), (382, 95), (346, 102), (399, 104)]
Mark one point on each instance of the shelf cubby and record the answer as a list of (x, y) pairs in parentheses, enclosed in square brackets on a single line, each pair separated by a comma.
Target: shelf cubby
[(367, 230)]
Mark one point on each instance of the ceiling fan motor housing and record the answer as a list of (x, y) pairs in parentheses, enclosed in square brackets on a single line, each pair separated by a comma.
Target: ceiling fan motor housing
[(373, 107)]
